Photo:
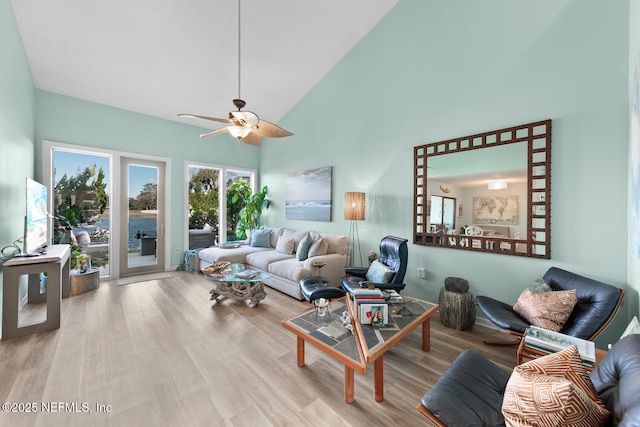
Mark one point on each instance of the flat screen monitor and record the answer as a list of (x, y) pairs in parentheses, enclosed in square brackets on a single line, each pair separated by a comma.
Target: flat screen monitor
[(36, 219)]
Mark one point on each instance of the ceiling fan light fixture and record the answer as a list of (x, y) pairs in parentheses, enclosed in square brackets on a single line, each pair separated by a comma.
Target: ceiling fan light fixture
[(239, 131)]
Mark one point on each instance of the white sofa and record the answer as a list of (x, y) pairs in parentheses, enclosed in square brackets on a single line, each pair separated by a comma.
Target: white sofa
[(286, 270)]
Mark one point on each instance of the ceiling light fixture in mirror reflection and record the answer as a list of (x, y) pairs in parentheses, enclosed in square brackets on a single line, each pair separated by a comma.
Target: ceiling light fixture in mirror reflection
[(501, 184)]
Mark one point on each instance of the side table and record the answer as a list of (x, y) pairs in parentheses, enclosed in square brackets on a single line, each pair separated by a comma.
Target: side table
[(56, 264)]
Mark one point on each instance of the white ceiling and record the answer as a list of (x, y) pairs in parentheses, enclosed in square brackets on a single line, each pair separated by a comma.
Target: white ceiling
[(164, 57)]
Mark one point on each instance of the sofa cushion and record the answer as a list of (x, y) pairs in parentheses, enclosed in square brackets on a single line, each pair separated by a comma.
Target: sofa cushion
[(379, 273), (234, 255), (337, 243), (285, 245), (261, 239), (296, 235), (318, 247), (261, 260), (275, 233), (548, 310), (553, 390), (302, 252), (291, 269)]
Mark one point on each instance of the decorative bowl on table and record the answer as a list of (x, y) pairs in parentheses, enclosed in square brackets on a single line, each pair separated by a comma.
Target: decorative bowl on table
[(216, 268)]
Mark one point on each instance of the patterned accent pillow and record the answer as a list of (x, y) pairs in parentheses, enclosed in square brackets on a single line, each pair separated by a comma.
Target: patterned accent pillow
[(554, 390), (302, 252), (547, 310), (285, 245), (379, 273)]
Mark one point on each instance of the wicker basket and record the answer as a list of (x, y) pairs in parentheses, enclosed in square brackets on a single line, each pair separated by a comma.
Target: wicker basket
[(216, 268)]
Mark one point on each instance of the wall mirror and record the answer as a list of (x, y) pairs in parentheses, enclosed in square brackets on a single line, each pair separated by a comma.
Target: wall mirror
[(489, 192)]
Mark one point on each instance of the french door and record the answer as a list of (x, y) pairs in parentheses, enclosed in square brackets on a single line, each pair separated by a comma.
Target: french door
[(142, 215)]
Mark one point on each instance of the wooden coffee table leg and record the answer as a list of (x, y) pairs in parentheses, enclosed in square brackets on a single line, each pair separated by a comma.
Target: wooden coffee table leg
[(378, 380), (300, 351), (426, 335), (349, 384)]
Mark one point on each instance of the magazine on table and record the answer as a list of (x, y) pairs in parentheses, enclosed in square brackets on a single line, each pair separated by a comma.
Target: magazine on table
[(247, 274), (550, 341)]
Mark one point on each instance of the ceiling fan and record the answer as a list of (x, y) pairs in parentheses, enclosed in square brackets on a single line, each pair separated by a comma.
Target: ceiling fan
[(244, 125)]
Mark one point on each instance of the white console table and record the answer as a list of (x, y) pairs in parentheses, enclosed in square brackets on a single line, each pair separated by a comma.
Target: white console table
[(56, 264)]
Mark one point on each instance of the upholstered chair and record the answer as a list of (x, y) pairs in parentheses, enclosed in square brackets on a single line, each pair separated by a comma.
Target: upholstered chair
[(387, 272)]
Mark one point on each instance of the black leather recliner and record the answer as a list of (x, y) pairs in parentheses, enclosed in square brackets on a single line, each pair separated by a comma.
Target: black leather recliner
[(394, 254), (597, 305), (471, 390)]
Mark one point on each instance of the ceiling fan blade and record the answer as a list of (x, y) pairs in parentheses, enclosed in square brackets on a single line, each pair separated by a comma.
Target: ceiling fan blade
[(270, 130), (252, 139), (213, 133), (205, 118)]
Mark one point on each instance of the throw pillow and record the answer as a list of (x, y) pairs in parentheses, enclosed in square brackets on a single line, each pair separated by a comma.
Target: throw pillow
[(302, 252), (538, 286), (261, 238), (379, 273), (554, 390), (632, 328), (285, 245), (548, 310), (249, 234), (318, 247)]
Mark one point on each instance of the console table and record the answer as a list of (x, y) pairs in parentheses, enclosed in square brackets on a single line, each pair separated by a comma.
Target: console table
[(56, 264)]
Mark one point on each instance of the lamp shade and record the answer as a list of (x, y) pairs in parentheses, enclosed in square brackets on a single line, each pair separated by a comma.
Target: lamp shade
[(354, 205)]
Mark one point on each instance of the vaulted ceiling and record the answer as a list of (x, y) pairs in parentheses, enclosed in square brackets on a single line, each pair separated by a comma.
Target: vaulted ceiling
[(164, 57)]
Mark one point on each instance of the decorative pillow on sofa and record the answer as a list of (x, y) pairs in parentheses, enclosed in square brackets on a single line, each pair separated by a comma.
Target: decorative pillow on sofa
[(261, 238), (285, 245), (379, 273), (302, 252), (548, 310), (318, 247), (554, 390)]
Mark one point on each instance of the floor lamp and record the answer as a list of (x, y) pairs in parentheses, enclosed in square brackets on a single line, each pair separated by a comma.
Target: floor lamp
[(354, 205)]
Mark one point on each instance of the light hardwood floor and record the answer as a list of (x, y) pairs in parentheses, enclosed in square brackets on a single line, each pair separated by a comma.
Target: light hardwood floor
[(160, 353)]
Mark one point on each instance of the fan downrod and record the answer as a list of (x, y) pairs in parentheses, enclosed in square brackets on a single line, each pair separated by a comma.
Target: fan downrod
[(239, 103)]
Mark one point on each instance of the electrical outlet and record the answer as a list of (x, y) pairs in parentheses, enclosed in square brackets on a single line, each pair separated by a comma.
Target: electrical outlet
[(421, 273)]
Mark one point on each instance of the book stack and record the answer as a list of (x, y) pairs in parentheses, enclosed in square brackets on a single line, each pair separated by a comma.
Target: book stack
[(370, 306), (550, 342), (394, 297)]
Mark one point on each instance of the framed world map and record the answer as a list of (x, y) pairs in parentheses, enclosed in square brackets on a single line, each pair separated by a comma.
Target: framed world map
[(495, 210)]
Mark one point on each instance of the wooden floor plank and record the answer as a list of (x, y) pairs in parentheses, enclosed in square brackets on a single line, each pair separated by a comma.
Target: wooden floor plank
[(161, 353)]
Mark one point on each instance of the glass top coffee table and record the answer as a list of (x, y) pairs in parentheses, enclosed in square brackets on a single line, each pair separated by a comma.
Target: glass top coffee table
[(239, 284), (366, 344)]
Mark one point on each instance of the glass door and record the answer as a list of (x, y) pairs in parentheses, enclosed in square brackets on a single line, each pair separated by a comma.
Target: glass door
[(142, 248)]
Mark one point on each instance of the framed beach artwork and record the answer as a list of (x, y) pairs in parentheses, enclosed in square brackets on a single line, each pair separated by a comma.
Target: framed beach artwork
[(308, 195)]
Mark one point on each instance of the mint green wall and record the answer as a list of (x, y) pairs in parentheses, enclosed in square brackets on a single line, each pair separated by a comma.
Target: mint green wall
[(633, 298), (434, 70), (16, 128), (73, 121)]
